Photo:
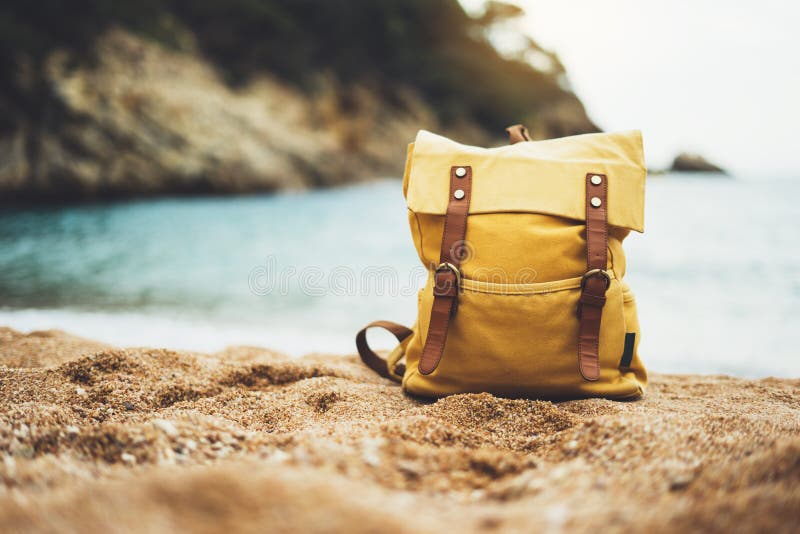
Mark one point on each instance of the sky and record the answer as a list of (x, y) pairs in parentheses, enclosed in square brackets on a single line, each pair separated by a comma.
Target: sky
[(720, 78)]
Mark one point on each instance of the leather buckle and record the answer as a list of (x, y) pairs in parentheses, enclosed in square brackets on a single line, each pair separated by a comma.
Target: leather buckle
[(447, 291), (595, 272), (587, 298)]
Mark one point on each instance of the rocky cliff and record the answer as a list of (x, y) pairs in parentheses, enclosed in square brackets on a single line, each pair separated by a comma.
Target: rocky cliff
[(146, 120), (132, 115)]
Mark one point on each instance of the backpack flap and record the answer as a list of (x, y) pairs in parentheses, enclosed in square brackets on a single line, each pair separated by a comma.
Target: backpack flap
[(545, 177)]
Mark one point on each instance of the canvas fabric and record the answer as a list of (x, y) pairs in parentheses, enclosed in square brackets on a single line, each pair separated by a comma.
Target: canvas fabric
[(525, 318)]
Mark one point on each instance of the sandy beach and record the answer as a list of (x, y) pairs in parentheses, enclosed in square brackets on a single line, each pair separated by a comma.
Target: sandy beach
[(99, 438)]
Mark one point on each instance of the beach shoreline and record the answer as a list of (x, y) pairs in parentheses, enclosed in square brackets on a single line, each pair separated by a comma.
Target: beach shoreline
[(96, 437)]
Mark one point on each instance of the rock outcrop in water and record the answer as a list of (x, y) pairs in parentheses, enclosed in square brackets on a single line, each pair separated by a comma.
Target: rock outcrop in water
[(687, 162), (233, 97)]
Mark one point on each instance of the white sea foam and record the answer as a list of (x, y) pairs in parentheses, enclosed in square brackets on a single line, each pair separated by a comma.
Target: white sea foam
[(128, 329)]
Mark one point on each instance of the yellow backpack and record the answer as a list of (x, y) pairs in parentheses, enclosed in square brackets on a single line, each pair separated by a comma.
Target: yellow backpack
[(523, 243)]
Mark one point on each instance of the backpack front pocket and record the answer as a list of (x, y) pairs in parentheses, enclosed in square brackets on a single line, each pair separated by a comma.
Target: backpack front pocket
[(519, 339)]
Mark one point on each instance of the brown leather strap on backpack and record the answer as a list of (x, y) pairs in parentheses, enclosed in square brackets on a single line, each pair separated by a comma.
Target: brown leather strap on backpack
[(447, 277), (596, 281), (369, 357), (517, 134)]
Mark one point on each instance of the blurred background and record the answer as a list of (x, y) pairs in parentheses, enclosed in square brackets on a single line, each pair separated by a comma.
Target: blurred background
[(197, 174)]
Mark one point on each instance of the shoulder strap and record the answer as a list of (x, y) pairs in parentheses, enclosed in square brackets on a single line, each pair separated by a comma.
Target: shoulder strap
[(369, 357), (447, 281), (596, 280)]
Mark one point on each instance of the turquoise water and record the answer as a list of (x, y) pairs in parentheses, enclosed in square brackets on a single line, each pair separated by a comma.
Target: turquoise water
[(716, 274)]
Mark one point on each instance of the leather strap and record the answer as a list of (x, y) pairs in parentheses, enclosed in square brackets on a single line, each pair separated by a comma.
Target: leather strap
[(596, 280), (369, 357), (447, 276), (517, 134)]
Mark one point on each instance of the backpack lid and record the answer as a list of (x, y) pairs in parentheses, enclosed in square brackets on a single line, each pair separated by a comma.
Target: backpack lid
[(534, 177)]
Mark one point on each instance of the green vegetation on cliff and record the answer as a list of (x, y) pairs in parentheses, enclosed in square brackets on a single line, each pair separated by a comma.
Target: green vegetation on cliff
[(430, 48)]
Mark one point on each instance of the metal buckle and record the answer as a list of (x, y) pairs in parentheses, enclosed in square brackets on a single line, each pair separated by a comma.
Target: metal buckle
[(595, 272), (450, 267)]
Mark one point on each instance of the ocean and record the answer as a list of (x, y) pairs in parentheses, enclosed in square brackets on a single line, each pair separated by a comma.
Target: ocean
[(716, 273)]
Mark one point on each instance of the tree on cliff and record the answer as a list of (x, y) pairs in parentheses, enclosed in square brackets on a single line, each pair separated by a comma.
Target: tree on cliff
[(431, 47)]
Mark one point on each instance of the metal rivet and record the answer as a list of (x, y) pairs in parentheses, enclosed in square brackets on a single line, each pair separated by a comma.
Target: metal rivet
[(459, 194), (461, 172), (596, 202), (597, 180)]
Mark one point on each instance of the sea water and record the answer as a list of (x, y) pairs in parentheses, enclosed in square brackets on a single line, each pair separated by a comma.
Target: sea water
[(716, 274)]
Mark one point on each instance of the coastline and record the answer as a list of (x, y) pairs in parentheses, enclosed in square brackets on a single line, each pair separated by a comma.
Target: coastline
[(151, 439)]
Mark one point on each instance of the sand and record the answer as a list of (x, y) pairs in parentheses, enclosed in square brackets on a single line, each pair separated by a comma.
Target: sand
[(98, 438)]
